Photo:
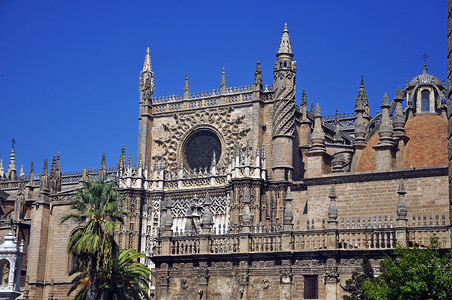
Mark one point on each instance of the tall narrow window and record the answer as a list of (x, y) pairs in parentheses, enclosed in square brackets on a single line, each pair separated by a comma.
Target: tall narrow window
[(311, 287), (425, 100)]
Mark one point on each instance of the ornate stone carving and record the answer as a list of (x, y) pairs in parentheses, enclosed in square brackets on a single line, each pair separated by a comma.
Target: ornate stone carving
[(218, 119), (266, 283), (184, 284), (286, 277)]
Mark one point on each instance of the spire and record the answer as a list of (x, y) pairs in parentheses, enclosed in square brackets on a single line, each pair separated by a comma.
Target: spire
[(146, 85), (361, 102), (45, 169), (304, 99), (11, 173), (103, 168), (285, 47), (386, 128), (186, 88), (44, 186), (147, 61), (318, 135), (223, 82), (258, 84)]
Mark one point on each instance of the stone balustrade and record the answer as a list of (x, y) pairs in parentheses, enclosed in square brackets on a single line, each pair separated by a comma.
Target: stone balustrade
[(302, 241)]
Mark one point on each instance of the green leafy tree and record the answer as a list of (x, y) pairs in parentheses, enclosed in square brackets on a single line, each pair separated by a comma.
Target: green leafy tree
[(125, 278), (416, 273), (95, 207), (354, 285)]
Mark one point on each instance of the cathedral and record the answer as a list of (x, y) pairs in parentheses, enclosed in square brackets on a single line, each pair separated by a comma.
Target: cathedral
[(239, 193)]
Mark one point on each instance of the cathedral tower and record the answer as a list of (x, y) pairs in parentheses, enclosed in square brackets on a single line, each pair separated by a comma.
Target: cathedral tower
[(284, 73)]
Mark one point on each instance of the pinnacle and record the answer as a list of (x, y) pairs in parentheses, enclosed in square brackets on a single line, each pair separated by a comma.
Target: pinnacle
[(147, 61), (385, 100), (317, 110), (304, 100), (399, 93), (285, 46)]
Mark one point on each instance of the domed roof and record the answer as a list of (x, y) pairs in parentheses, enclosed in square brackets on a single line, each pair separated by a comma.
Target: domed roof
[(427, 144), (424, 78)]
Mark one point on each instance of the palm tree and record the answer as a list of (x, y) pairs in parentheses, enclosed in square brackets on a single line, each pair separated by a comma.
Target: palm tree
[(126, 278), (95, 208)]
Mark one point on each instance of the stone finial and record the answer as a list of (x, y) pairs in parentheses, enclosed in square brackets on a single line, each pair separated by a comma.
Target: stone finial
[(317, 111), (258, 84), (399, 94), (122, 159), (11, 173), (2, 169), (401, 205), (304, 100), (103, 168), (385, 100), (318, 135), (332, 209), (386, 128), (146, 85), (288, 211), (361, 102), (223, 82), (186, 88), (45, 168), (207, 217), (285, 45), (147, 61), (21, 173)]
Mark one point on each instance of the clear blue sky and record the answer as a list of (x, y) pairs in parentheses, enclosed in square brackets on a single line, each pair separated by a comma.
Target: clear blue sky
[(69, 69)]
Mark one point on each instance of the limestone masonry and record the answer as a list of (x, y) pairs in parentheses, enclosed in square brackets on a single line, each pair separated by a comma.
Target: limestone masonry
[(239, 193)]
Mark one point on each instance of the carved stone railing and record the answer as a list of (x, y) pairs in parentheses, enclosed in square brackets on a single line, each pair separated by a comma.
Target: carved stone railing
[(224, 244), (309, 240), (367, 239), (356, 239), (202, 99)]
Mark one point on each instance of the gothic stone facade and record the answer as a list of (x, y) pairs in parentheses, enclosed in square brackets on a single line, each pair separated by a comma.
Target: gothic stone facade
[(239, 193)]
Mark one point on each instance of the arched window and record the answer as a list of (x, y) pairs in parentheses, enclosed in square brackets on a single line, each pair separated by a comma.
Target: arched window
[(425, 100)]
